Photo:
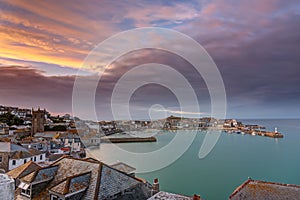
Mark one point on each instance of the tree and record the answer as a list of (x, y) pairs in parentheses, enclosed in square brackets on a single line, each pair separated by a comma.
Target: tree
[(11, 119), (56, 128)]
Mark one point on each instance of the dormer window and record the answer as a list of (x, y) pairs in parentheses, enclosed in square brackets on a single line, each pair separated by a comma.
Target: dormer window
[(54, 197), (25, 189)]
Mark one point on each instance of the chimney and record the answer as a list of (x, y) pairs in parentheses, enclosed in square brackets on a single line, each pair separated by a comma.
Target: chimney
[(196, 197), (155, 187)]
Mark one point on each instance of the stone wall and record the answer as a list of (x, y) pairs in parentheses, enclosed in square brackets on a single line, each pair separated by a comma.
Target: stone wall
[(7, 187), (5, 161), (38, 120)]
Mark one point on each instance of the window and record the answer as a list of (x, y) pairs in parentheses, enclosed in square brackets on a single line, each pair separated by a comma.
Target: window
[(53, 197), (14, 162), (25, 192), (34, 159), (77, 140), (41, 157), (25, 161), (0, 159)]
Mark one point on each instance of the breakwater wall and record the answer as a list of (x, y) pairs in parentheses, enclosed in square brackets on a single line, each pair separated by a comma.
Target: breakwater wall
[(128, 140)]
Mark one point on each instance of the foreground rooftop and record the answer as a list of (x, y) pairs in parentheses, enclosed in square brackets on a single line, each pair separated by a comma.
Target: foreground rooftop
[(81, 179), (255, 189), (169, 196), (23, 170)]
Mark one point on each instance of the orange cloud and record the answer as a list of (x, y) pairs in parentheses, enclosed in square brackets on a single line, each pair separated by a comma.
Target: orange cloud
[(18, 44), (64, 33), (50, 32)]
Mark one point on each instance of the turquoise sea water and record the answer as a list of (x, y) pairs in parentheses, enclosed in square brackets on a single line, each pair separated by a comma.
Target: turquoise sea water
[(234, 158)]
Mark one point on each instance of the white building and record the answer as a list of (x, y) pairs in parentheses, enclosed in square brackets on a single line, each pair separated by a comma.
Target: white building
[(19, 112), (70, 140), (13, 156), (4, 129), (7, 187), (20, 158)]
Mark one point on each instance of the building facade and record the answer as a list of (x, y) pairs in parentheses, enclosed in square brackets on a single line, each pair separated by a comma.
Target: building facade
[(13, 156), (38, 120), (7, 187), (4, 129)]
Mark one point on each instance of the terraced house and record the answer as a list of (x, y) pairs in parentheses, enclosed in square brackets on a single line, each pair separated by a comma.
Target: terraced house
[(13, 155)]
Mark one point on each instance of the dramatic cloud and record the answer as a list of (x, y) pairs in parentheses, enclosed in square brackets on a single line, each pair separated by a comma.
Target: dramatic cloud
[(255, 45), (27, 87)]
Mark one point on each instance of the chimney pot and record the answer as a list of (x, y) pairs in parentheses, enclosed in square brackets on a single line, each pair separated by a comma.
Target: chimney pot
[(196, 197), (155, 187)]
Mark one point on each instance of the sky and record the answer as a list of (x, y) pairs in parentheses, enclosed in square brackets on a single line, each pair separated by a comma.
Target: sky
[(255, 45)]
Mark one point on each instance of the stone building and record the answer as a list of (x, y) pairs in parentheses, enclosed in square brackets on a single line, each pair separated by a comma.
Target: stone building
[(38, 120), (4, 161), (7, 187)]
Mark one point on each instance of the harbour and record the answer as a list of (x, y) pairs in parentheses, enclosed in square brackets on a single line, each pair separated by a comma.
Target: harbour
[(234, 158), (255, 132)]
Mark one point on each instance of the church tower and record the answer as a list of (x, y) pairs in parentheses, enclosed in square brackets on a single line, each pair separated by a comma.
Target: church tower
[(38, 120)]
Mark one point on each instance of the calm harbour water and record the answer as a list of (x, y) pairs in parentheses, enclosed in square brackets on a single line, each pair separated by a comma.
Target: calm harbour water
[(234, 158)]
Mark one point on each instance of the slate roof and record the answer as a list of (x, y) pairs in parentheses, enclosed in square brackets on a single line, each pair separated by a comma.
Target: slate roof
[(73, 184), (25, 154), (28, 178), (43, 174), (69, 167), (23, 170), (255, 189), (123, 167), (11, 147), (54, 157), (73, 174), (68, 135), (112, 182), (46, 134), (168, 196)]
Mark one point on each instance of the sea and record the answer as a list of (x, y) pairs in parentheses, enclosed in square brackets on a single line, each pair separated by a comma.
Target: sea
[(233, 160)]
